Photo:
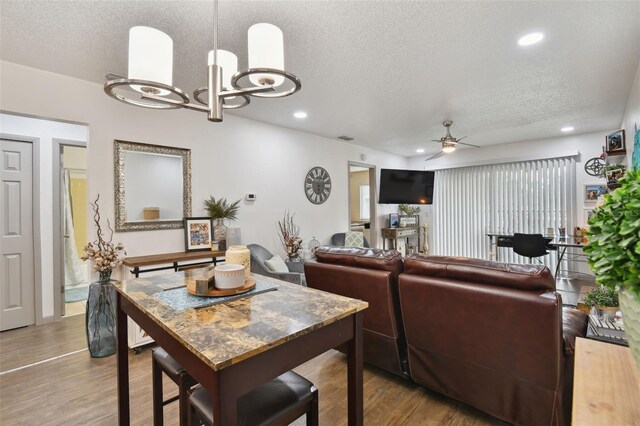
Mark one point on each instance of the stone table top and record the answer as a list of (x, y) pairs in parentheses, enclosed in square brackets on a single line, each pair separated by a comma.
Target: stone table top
[(227, 333)]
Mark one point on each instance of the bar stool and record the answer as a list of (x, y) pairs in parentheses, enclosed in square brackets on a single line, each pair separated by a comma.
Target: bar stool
[(277, 402), (162, 362)]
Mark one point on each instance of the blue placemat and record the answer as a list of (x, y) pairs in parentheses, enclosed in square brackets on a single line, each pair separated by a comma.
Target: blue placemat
[(180, 299)]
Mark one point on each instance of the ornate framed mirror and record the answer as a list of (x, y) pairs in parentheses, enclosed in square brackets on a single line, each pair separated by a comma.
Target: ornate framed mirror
[(152, 186)]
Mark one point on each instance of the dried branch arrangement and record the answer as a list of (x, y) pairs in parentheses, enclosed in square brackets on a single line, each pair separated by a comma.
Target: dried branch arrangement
[(105, 254), (290, 236)]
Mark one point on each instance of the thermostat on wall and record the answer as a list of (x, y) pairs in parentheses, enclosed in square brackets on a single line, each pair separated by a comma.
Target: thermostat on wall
[(250, 197)]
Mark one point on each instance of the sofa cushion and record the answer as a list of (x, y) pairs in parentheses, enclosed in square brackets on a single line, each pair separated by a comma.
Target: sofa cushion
[(384, 260), (276, 264), (523, 277), (353, 239)]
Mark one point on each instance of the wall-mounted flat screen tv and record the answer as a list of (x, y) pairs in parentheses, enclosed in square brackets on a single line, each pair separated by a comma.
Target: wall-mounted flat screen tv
[(406, 186)]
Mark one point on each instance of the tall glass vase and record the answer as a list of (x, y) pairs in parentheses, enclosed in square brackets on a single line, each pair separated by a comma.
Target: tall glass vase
[(101, 317)]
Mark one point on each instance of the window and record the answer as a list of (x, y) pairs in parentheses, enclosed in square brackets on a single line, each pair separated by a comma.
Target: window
[(526, 197), (364, 202)]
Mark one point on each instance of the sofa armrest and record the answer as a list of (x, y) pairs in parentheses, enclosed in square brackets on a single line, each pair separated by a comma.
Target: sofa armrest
[(574, 324)]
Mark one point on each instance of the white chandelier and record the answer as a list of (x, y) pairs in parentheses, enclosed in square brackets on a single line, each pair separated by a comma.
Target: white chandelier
[(151, 69)]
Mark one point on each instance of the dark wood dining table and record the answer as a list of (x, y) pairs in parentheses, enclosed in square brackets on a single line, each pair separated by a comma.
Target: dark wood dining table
[(234, 346)]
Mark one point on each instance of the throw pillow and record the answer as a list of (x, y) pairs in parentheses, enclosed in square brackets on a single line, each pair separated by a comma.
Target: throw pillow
[(353, 239), (276, 264)]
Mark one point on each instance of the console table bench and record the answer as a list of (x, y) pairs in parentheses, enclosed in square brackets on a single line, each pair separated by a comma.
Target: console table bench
[(175, 259)]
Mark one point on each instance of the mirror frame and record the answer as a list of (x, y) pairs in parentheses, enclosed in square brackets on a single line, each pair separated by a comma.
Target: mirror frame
[(119, 148)]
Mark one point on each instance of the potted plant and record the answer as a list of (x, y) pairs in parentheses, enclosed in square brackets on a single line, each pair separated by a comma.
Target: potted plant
[(614, 251), (408, 210), (219, 210), (605, 300)]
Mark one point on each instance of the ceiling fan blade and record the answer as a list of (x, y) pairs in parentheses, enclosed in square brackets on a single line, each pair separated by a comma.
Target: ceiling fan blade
[(461, 138), (436, 155), (468, 144)]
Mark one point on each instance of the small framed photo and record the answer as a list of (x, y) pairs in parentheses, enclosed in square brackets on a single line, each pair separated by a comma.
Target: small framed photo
[(593, 191), (615, 142), (394, 222), (197, 233), (614, 175), (587, 215)]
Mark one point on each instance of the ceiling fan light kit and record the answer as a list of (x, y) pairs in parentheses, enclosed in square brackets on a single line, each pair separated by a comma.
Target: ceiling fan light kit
[(448, 147), (151, 68)]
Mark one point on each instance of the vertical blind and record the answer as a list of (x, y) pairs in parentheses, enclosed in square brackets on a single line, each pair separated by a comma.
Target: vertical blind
[(526, 197)]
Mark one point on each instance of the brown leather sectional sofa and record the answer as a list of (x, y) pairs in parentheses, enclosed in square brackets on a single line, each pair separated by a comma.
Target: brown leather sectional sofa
[(492, 335)]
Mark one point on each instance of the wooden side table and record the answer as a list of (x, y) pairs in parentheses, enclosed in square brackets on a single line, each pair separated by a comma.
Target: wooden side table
[(395, 234), (606, 385)]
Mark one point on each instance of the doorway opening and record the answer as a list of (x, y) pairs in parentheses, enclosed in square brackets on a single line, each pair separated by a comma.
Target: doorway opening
[(362, 200), (71, 176)]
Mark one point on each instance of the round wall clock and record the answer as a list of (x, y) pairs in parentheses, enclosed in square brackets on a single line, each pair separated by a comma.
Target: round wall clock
[(317, 185)]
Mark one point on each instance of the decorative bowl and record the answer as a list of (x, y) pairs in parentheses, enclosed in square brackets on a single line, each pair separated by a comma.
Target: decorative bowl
[(229, 276)]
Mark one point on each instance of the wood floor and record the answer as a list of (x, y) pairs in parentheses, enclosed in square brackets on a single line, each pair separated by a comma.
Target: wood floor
[(78, 390)]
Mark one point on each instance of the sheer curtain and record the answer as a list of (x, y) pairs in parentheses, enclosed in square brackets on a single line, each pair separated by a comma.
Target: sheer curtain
[(526, 197), (75, 270)]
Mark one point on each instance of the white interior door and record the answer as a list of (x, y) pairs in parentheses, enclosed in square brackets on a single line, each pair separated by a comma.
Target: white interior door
[(17, 285)]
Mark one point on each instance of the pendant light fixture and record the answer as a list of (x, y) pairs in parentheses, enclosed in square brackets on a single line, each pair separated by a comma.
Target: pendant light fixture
[(151, 69)]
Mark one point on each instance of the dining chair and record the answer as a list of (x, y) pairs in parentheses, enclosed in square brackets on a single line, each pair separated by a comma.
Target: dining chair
[(162, 362), (530, 245), (277, 402)]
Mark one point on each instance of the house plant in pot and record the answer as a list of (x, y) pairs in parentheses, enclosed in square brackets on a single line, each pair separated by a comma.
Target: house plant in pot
[(614, 251), (605, 301), (219, 210)]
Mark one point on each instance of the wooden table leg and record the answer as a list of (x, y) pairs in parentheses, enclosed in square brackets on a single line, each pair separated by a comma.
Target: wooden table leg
[(213, 386), (355, 374), (123, 364)]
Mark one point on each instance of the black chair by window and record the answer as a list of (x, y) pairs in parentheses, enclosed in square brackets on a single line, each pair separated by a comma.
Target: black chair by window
[(530, 245)]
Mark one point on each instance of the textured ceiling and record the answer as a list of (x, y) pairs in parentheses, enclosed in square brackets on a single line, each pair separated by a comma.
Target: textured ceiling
[(384, 72)]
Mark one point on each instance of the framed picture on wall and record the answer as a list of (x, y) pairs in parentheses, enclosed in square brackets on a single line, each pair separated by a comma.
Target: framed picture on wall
[(393, 220), (592, 191), (587, 215), (615, 143), (197, 233)]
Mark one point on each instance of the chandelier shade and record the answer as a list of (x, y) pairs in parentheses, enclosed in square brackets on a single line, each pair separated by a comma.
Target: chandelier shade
[(229, 64), (150, 58), (266, 50)]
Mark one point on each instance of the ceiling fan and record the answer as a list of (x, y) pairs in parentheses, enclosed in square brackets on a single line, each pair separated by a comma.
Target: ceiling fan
[(449, 143)]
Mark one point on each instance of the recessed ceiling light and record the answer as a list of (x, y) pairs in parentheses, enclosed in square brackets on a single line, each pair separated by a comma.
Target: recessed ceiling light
[(300, 114), (419, 150), (567, 129), (530, 39)]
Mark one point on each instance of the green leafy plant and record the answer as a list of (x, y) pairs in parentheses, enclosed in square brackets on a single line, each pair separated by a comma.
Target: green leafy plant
[(614, 236), (602, 296), (408, 210), (221, 209)]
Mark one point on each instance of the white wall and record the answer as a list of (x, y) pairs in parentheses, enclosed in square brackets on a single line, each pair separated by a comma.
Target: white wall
[(631, 116), (46, 131), (229, 159), (588, 145)]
